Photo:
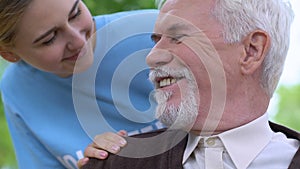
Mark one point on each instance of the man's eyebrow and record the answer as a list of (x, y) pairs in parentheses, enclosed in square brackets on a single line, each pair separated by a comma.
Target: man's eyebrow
[(44, 35), (176, 28), (74, 7)]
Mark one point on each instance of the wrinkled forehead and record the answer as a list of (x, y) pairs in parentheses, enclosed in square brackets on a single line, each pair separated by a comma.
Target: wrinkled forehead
[(184, 15), (168, 23)]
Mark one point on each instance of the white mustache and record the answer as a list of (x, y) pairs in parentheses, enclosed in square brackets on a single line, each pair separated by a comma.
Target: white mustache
[(169, 72)]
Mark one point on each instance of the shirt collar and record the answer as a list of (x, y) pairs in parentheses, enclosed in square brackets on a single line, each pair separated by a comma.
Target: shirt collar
[(192, 143), (240, 139)]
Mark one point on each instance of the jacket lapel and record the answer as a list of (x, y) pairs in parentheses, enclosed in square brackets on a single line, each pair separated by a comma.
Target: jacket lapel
[(295, 164)]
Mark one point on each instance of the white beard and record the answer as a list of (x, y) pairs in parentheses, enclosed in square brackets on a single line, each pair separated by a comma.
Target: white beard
[(180, 116)]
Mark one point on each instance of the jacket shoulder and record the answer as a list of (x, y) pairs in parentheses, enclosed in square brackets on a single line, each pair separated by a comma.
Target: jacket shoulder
[(159, 149), (285, 130)]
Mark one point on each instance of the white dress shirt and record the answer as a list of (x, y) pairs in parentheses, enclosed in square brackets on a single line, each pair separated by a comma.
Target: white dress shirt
[(251, 146)]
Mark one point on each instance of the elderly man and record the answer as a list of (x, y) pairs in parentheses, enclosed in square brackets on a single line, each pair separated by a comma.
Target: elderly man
[(215, 65)]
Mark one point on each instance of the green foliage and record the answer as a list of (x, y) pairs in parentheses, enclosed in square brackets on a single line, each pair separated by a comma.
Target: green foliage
[(109, 6), (7, 156), (289, 107)]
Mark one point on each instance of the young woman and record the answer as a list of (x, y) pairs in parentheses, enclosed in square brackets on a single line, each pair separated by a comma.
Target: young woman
[(46, 41)]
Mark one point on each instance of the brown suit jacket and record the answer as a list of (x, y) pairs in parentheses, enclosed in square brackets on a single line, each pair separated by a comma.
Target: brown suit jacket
[(171, 158)]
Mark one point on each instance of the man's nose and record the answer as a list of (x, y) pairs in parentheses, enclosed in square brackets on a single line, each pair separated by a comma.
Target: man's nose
[(158, 57)]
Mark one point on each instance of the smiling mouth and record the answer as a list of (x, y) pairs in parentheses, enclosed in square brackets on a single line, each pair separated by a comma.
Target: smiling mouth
[(77, 55), (71, 58), (166, 81)]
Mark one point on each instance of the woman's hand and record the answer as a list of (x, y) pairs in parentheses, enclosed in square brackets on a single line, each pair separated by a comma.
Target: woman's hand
[(102, 144)]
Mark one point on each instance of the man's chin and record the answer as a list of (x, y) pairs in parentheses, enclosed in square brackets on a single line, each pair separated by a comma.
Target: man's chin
[(174, 121)]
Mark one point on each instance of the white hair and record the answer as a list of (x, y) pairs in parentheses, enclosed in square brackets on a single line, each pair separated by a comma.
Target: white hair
[(240, 17)]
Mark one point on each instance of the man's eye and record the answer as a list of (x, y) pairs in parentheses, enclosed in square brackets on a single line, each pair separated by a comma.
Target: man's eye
[(176, 39), (156, 37)]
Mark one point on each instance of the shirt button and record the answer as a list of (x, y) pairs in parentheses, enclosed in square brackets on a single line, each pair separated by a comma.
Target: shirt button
[(210, 141)]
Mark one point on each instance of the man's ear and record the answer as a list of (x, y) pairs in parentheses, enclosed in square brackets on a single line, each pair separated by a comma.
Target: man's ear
[(256, 46), (9, 56)]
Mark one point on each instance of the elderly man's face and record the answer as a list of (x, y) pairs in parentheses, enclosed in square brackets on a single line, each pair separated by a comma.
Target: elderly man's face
[(188, 63)]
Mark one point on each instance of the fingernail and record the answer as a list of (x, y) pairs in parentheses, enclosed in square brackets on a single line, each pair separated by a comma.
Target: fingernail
[(115, 148), (123, 142), (103, 154)]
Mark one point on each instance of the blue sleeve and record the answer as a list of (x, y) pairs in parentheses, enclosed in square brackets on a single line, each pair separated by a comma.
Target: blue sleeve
[(30, 153)]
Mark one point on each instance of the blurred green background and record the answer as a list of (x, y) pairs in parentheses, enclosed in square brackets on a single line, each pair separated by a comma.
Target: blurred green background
[(287, 110)]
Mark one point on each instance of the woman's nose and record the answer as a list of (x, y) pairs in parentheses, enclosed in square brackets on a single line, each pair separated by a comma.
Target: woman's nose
[(77, 39)]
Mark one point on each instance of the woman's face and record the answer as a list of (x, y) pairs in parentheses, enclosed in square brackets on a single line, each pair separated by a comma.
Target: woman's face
[(52, 35)]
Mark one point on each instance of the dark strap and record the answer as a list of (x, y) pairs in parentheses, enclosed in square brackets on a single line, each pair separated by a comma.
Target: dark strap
[(295, 164)]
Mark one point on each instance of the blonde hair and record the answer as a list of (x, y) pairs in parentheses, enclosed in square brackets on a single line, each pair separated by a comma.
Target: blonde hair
[(10, 13)]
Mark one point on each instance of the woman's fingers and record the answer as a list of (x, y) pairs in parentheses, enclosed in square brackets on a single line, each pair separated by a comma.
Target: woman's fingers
[(102, 144), (110, 142), (92, 152), (82, 162), (123, 133)]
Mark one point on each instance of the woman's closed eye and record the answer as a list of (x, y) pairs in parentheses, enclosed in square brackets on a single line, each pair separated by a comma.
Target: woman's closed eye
[(50, 40), (75, 14)]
